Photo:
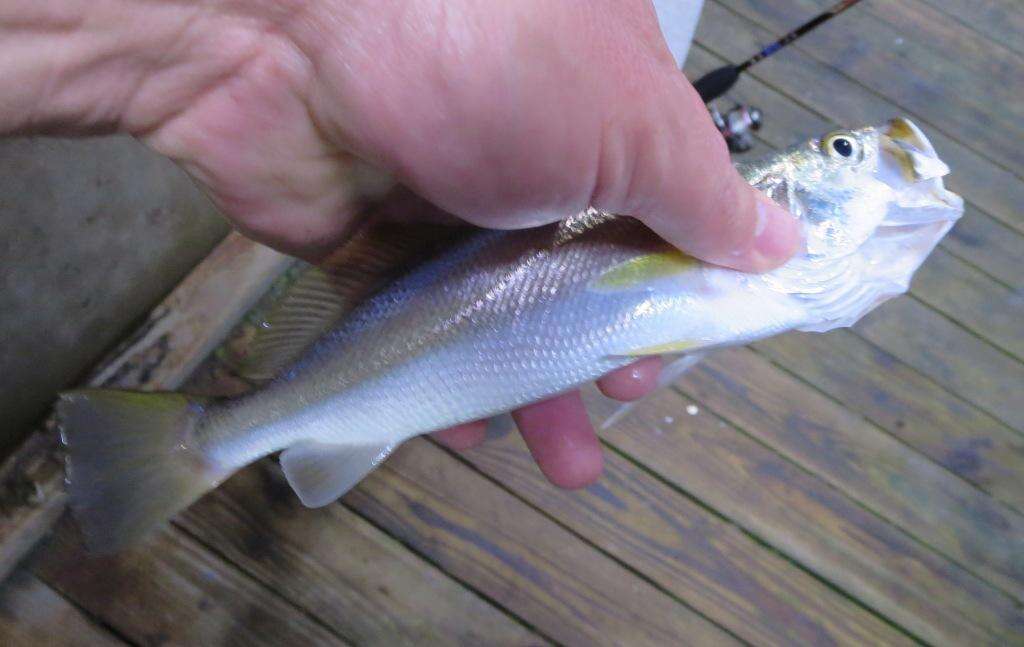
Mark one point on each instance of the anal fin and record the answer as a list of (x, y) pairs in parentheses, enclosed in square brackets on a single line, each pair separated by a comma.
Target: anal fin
[(320, 473)]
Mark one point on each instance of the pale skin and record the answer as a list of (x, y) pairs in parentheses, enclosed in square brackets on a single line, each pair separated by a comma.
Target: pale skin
[(503, 114)]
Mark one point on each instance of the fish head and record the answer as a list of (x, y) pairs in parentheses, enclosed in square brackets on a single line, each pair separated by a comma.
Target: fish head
[(847, 184), (871, 201)]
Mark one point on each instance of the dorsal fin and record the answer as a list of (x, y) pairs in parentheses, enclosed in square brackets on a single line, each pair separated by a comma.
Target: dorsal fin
[(309, 299)]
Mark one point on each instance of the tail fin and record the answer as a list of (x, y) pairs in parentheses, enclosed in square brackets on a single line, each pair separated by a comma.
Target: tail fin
[(131, 464)]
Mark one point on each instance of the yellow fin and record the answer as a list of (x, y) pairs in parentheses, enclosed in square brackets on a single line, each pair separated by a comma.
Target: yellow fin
[(643, 269), (663, 349)]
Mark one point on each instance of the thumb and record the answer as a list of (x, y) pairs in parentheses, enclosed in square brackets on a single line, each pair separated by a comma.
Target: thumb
[(665, 163)]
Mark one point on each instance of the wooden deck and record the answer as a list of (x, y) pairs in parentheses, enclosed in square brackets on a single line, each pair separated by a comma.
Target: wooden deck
[(860, 487)]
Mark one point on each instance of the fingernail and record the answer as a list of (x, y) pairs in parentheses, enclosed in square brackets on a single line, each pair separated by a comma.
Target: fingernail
[(777, 234)]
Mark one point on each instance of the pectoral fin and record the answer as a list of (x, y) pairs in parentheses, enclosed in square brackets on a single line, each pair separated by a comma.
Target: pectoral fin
[(643, 270), (320, 473)]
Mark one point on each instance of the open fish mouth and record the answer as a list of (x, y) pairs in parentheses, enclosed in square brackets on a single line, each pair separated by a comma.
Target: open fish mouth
[(909, 164), (923, 210)]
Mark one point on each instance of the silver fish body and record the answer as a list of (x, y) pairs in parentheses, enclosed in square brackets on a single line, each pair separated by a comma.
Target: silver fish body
[(505, 319), (508, 318)]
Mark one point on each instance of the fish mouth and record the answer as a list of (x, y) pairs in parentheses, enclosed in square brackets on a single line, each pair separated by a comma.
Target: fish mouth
[(913, 154), (910, 165), (920, 214)]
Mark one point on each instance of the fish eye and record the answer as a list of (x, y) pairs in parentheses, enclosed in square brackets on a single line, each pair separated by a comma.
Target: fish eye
[(842, 146)]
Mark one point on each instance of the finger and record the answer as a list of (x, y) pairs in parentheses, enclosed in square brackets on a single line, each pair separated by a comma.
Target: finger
[(561, 440), (463, 437), (668, 165), (631, 382)]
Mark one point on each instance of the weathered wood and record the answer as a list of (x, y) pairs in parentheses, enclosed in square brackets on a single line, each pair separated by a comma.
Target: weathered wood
[(32, 614), (867, 380), (32, 496), (704, 560), (971, 299), (519, 558), (954, 358), (922, 61), (814, 524), (989, 245), (179, 333), (819, 87), (340, 569), (910, 491), (194, 318), (171, 589), (1001, 21)]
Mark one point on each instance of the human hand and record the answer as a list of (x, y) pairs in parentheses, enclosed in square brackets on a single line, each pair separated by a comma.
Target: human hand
[(503, 114)]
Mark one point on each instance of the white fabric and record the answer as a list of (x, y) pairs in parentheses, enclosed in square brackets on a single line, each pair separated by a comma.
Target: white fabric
[(678, 20)]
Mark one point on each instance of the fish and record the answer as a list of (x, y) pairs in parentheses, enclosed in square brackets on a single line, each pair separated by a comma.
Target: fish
[(497, 320)]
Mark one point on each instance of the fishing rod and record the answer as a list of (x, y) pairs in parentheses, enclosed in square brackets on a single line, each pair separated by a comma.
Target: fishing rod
[(737, 124), (717, 82)]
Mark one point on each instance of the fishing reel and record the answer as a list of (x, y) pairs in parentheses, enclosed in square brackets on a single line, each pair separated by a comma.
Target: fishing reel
[(737, 125)]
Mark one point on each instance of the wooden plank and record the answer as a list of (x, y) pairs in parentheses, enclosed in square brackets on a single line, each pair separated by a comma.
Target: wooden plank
[(920, 60), (33, 614), (957, 58), (911, 492), (977, 238), (171, 589), (355, 579), (814, 524), (820, 87), (194, 318), (867, 380), (1001, 21), (989, 245), (954, 358), (973, 300), (519, 558), (709, 563), (178, 334)]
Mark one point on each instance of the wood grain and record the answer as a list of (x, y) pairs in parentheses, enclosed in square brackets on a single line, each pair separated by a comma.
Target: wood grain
[(867, 380), (706, 561), (1001, 21), (816, 525), (859, 459), (517, 557), (340, 569), (171, 589), (920, 60), (33, 614), (953, 357)]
